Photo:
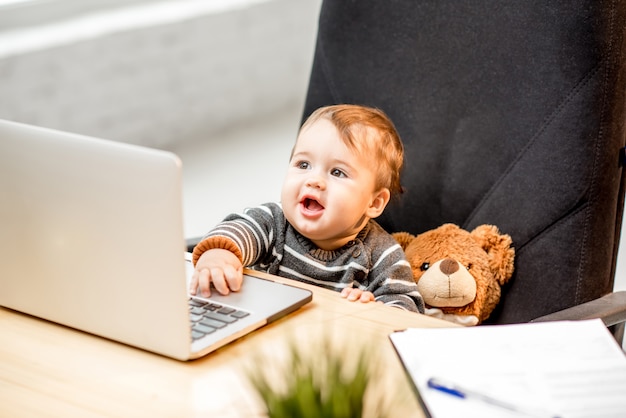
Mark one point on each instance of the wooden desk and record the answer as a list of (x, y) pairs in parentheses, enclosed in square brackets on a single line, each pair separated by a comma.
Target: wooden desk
[(51, 370)]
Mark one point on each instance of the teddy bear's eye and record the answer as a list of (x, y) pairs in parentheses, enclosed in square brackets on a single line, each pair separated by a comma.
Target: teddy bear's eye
[(469, 266), (425, 266)]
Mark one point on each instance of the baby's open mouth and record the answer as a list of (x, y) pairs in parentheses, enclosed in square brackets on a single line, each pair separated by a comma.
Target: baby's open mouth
[(312, 205)]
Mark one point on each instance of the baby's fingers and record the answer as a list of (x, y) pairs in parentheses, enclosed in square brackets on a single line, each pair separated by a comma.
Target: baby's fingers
[(203, 282), (367, 297), (193, 284), (354, 294), (233, 277), (218, 278), (351, 293)]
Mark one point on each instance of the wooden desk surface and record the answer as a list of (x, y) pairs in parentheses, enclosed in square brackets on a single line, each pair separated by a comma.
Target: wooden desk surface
[(51, 370)]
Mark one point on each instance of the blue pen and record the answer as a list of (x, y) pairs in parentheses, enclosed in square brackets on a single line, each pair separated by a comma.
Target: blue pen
[(464, 393)]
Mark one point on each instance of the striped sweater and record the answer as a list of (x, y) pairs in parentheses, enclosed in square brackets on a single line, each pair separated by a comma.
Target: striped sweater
[(263, 239)]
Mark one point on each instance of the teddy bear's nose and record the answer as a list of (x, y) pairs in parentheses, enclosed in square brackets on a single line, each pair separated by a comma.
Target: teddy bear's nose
[(448, 266)]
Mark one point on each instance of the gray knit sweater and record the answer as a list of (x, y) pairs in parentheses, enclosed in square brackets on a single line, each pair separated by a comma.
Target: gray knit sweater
[(373, 261)]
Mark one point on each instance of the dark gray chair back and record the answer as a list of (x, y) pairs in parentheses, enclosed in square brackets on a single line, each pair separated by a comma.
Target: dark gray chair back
[(512, 114)]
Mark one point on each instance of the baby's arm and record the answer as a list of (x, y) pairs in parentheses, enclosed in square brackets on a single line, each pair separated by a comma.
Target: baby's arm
[(243, 239), (392, 282), (220, 267)]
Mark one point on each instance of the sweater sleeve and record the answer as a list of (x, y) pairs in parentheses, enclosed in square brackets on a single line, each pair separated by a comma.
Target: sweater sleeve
[(248, 235), (392, 282), (390, 278), (210, 243)]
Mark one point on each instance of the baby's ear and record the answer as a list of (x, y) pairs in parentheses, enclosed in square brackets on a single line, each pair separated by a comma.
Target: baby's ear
[(379, 203), (403, 238)]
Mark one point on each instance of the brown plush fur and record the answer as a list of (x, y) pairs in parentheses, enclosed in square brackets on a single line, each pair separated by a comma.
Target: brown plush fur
[(485, 253)]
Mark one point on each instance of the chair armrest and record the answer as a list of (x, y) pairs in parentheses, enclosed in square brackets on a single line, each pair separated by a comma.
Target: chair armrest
[(610, 308), (192, 242)]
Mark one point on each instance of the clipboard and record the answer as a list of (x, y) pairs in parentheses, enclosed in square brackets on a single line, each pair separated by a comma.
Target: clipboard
[(566, 368)]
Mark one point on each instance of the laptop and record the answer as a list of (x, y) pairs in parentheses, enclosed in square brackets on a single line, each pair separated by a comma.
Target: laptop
[(91, 237)]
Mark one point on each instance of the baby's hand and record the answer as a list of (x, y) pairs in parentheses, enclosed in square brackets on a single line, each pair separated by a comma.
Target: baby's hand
[(354, 294), (220, 267)]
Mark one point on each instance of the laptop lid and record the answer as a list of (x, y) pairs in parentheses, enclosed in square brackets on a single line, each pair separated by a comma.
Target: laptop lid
[(92, 238)]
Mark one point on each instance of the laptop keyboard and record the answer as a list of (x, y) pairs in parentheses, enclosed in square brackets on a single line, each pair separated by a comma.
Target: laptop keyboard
[(207, 317)]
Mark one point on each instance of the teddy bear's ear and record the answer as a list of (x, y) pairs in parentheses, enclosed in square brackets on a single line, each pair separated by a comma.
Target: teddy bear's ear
[(500, 250), (403, 238)]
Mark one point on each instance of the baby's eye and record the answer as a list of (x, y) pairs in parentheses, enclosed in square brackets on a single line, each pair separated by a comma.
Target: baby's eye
[(337, 173), (302, 165)]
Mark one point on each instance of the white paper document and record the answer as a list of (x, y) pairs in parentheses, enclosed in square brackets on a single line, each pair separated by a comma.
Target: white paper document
[(568, 369)]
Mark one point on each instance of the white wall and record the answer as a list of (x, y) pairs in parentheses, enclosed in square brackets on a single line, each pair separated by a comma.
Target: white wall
[(155, 73)]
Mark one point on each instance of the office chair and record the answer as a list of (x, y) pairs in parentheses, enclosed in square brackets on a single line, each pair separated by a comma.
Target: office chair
[(512, 114)]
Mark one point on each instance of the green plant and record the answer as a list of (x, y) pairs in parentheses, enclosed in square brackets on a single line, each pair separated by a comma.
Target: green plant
[(319, 380)]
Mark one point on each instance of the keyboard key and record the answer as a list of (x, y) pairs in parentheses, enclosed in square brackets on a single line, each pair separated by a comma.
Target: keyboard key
[(204, 328), (195, 302), (220, 317), (239, 314), (196, 335), (212, 323), (197, 310)]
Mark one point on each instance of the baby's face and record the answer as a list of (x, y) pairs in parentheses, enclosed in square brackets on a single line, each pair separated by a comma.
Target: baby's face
[(329, 191)]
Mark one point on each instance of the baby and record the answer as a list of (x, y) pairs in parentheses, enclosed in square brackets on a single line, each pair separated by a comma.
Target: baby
[(343, 170)]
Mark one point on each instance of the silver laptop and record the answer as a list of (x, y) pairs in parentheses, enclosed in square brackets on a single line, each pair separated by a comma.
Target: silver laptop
[(91, 237)]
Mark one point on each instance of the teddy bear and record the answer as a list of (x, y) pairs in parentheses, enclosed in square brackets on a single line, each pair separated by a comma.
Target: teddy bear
[(459, 273)]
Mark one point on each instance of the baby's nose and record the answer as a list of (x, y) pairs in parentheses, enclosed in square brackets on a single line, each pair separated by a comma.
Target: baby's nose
[(315, 181)]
